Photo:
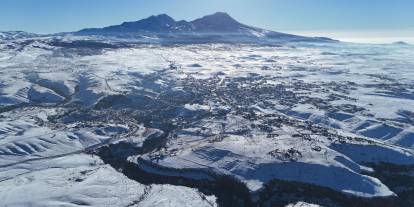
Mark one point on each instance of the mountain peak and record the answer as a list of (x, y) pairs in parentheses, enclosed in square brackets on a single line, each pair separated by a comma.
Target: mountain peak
[(221, 14), (158, 19), (156, 23), (218, 16), (217, 22), (163, 17)]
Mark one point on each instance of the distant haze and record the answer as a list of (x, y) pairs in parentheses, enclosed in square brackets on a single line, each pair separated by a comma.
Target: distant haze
[(379, 37)]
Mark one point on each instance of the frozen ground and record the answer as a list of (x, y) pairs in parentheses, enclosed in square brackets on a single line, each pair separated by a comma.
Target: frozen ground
[(46, 165), (82, 180), (317, 114)]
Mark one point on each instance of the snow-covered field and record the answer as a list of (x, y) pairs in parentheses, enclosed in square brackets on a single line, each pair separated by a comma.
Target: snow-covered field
[(319, 114)]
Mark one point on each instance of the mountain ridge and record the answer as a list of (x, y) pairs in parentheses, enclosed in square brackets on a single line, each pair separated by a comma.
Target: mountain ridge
[(219, 27), (218, 24)]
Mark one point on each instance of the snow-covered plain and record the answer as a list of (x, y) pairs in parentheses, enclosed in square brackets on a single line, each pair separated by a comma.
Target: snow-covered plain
[(317, 113)]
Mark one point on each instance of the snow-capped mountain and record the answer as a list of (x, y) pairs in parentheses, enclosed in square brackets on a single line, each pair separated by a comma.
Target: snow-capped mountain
[(216, 23), (219, 24)]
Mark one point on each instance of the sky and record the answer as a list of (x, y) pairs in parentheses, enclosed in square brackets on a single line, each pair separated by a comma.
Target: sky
[(356, 20)]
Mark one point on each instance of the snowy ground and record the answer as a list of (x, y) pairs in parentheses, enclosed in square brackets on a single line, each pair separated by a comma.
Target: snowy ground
[(79, 180), (47, 164), (312, 113)]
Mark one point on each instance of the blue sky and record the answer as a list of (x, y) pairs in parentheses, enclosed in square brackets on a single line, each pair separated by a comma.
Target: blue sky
[(387, 17)]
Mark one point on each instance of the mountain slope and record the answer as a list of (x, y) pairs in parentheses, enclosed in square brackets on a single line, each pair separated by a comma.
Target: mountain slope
[(219, 24)]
